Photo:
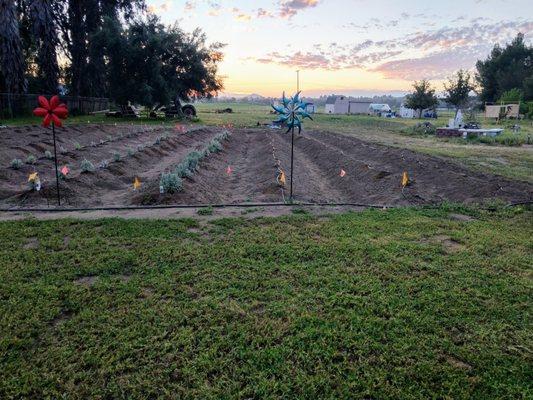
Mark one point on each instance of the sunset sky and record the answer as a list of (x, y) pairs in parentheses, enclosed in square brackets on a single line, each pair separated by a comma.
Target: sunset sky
[(354, 47)]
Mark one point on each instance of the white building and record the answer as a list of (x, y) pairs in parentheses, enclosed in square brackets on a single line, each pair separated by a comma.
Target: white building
[(342, 105), (407, 112)]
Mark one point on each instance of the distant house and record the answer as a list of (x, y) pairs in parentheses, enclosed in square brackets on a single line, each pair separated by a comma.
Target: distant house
[(330, 105), (310, 108), (359, 107), (342, 105), (406, 112), (378, 109)]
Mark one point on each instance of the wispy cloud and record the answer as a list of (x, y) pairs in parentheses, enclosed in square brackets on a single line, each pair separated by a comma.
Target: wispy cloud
[(439, 52), (289, 8)]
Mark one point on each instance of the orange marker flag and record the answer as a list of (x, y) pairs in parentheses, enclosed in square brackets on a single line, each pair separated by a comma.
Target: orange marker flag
[(229, 170), (405, 179), (65, 170), (343, 173), (34, 176), (281, 178), (136, 183)]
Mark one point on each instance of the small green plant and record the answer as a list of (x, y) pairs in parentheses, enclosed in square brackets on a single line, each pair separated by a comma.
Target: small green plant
[(16, 163), (93, 144), (62, 150), (170, 183), (31, 159), (299, 211), (86, 166), (214, 146), (205, 211), (48, 154), (103, 164), (116, 156), (140, 147), (158, 140), (130, 152), (192, 160), (182, 170), (77, 146), (109, 138)]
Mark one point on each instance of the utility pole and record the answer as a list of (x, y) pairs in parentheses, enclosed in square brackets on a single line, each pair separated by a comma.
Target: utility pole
[(297, 81)]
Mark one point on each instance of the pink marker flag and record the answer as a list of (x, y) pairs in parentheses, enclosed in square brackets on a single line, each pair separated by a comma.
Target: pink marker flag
[(343, 172), (65, 170), (229, 170)]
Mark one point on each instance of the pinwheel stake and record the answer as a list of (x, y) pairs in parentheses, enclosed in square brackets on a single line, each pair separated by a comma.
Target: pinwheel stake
[(291, 111), (53, 112)]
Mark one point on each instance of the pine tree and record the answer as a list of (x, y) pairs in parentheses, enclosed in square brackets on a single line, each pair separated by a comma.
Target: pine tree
[(11, 55)]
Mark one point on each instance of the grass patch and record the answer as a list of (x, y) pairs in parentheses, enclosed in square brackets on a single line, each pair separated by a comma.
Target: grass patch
[(360, 305), (205, 211)]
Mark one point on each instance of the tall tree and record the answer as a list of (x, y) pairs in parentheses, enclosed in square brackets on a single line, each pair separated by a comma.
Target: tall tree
[(458, 88), (422, 97), (505, 69), (11, 55), (151, 63), (45, 34)]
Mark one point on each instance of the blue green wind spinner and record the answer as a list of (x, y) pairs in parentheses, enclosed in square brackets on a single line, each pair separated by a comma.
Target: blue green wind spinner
[(291, 111)]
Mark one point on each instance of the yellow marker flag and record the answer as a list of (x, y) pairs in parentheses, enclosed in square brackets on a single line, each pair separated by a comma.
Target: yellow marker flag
[(281, 178), (405, 179), (33, 177), (136, 183)]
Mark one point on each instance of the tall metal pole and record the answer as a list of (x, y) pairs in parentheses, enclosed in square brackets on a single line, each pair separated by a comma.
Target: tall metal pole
[(292, 158), (55, 161), (297, 81)]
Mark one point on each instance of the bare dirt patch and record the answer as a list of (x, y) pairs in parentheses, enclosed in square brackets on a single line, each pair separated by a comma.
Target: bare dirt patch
[(86, 280), (372, 172), (31, 243)]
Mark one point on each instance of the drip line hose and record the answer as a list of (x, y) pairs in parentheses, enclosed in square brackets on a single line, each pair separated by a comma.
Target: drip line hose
[(227, 205)]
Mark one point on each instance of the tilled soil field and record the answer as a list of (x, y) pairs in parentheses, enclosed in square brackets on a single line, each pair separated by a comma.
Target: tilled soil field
[(244, 171)]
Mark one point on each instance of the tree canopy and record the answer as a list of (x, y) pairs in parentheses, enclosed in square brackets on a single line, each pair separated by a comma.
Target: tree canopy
[(111, 48), (458, 88), (506, 68), (422, 97)]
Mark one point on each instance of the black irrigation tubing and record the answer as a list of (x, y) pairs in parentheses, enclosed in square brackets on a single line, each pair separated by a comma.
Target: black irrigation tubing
[(227, 205)]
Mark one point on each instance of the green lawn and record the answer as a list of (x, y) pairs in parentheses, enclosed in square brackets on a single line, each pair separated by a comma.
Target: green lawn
[(404, 303)]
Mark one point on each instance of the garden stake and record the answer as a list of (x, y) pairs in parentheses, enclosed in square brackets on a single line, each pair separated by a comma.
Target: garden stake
[(55, 162), (291, 111), (53, 112)]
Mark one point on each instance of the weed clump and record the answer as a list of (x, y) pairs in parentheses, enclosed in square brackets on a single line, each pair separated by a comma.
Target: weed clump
[(48, 154)]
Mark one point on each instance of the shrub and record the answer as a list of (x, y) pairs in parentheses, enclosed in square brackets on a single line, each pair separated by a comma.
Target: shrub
[(424, 128), (183, 170), (192, 160), (116, 156), (214, 146), (48, 154), (31, 159), (170, 183), (16, 163), (86, 166)]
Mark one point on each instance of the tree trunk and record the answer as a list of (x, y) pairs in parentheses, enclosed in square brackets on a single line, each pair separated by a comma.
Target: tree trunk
[(44, 31), (78, 48), (12, 62)]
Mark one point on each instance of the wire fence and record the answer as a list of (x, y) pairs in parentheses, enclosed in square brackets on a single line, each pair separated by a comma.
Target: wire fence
[(13, 105)]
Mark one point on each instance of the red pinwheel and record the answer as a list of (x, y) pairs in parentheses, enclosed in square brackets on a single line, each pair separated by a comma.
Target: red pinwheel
[(52, 111)]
